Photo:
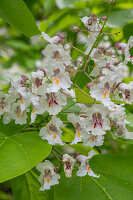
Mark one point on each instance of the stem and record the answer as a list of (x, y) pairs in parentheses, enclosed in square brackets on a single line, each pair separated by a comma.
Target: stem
[(75, 47), (57, 151), (81, 89), (48, 79), (74, 112), (100, 31), (88, 76), (56, 156), (98, 149)]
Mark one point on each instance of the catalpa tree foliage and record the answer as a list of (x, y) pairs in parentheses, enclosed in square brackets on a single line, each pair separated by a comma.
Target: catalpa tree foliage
[(51, 115)]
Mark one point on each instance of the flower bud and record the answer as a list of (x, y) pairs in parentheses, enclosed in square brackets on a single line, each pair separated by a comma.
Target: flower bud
[(68, 165), (75, 28), (103, 18), (88, 85)]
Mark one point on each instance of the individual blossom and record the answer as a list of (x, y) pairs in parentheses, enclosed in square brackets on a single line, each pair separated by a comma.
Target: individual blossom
[(125, 48), (107, 87), (39, 107), (19, 90), (18, 115), (93, 27), (118, 116), (98, 65), (127, 91), (18, 84), (54, 40), (59, 80), (52, 131), (54, 102), (4, 103), (90, 140), (68, 165), (79, 127), (56, 57), (48, 177), (128, 134), (38, 85), (84, 168), (97, 121)]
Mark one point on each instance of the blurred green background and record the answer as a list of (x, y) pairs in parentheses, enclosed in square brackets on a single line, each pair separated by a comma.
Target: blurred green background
[(19, 53)]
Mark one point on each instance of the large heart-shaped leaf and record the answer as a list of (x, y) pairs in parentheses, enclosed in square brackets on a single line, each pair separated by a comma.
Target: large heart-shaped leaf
[(119, 18), (30, 189), (11, 128), (18, 15), (115, 182), (19, 153)]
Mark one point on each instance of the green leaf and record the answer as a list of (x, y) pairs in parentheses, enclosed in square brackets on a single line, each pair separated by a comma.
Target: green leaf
[(82, 149), (30, 189), (11, 128), (4, 196), (67, 135), (119, 18), (19, 153), (18, 15), (115, 182), (130, 120), (83, 97)]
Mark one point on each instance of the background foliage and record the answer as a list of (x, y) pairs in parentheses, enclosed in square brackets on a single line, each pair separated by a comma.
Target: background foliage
[(20, 49)]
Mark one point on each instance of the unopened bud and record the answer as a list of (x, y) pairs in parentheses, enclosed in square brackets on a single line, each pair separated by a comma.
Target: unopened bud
[(24, 77), (118, 46), (121, 46), (89, 85), (75, 28), (61, 36), (104, 18)]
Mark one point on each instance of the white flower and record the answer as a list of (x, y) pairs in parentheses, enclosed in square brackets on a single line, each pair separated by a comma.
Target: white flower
[(125, 49), (102, 91), (53, 40), (128, 134), (68, 165), (52, 131), (118, 115), (90, 140), (54, 102), (97, 121), (128, 57), (79, 127), (59, 80), (92, 24), (127, 91), (38, 106), (93, 27), (18, 115), (6, 117), (48, 177), (38, 85), (84, 168), (5, 106), (56, 57), (98, 64), (18, 84)]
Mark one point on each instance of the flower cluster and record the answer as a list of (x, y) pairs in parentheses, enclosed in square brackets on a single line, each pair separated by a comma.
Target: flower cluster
[(49, 177), (47, 90)]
